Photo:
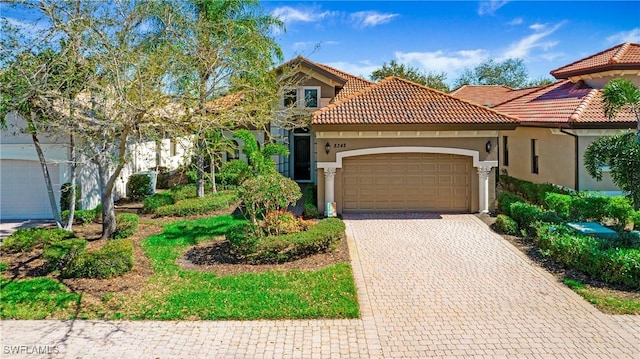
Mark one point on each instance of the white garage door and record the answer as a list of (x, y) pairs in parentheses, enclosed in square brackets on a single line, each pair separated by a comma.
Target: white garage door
[(23, 194), (407, 182)]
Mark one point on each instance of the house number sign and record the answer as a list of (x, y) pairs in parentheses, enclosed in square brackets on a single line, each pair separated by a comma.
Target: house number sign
[(339, 145)]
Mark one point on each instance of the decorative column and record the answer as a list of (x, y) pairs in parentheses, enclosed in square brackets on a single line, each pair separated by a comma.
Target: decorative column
[(329, 184), (483, 181)]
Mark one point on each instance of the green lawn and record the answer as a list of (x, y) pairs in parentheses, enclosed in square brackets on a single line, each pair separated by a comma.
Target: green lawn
[(176, 294), (606, 303)]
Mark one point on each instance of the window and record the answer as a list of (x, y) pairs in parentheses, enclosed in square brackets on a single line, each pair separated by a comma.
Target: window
[(311, 97), (290, 98), (236, 151), (505, 150), (173, 147), (534, 156)]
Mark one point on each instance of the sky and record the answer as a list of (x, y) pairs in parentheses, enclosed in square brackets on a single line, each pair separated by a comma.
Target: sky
[(449, 36), (442, 36)]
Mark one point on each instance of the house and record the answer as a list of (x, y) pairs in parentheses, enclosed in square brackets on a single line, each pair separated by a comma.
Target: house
[(559, 121), (23, 194), (392, 145)]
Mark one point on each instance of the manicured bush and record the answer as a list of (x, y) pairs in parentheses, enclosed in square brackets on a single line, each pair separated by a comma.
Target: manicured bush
[(588, 208), (181, 192), (196, 206), (113, 259), (139, 186), (266, 193), (559, 203), (506, 225), (155, 201), (323, 236), (26, 239), (532, 192), (60, 253), (126, 225), (505, 200), (280, 222), (310, 210), (618, 208), (525, 214), (233, 173), (82, 216)]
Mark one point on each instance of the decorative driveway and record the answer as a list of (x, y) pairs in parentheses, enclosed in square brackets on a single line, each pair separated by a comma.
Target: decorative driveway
[(429, 286)]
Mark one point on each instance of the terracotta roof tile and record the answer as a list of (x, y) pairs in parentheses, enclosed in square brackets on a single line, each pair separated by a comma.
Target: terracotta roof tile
[(489, 95), (618, 57), (353, 84), (563, 102), (398, 101)]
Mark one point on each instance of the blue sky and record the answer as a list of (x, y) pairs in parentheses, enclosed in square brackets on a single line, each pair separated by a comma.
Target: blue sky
[(359, 36)]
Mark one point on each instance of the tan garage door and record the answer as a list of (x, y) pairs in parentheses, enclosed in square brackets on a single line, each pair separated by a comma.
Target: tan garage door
[(406, 182)]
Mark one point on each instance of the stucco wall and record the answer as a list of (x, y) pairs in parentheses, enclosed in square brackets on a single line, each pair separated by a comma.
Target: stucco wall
[(585, 180)]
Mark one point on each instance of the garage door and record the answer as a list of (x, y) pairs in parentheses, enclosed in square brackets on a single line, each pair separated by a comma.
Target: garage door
[(23, 194), (407, 182)]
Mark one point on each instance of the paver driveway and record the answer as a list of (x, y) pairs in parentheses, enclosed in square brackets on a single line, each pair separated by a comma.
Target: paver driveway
[(429, 286)]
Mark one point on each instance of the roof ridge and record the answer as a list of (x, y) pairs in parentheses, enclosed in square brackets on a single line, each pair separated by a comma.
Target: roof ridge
[(583, 104), (584, 58), (616, 57), (533, 89), (344, 72)]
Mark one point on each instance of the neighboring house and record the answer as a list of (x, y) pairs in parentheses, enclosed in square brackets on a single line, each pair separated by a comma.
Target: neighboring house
[(559, 121), (23, 194), (392, 145)]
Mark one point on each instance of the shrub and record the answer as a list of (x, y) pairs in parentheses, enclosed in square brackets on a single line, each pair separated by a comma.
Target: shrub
[(59, 254), (113, 259), (505, 199), (323, 236), (636, 220), (25, 239), (126, 225), (310, 211), (233, 173), (280, 222), (588, 207), (532, 192), (619, 209), (559, 203), (181, 192), (65, 196), (266, 193), (155, 201), (525, 214), (138, 186), (82, 216), (196, 206), (506, 225)]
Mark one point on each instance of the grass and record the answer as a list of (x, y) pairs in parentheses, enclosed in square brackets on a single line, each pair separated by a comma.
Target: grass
[(606, 303), (173, 293)]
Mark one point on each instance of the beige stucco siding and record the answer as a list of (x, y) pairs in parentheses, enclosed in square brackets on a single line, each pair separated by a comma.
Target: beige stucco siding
[(586, 182), (556, 156)]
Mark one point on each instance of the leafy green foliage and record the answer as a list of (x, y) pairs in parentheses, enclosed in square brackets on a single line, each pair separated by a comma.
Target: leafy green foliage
[(196, 206), (393, 68), (531, 192), (559, 203), (588, 208), (506, 225), (156, 200), (636, 220), (82, 216), (26, 239), (525, 214), (60, 253), (505, 200), (233, 173), (138, 186), (112, 260), (260, 161), (65, 196), (38, 298), (620, 94), (310, 210), (127, 225), (266, 193), (510, 72)]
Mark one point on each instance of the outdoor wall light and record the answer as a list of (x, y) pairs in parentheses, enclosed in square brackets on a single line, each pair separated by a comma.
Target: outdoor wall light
[(488, 146), (327, 148)]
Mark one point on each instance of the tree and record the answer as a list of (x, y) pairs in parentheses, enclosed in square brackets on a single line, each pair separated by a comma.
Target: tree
[(432, 80), (620, 152), (510, 72)]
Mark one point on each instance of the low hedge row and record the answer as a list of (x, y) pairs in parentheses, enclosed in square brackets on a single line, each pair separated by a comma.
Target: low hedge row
[(532, 192), (196, 206), (26, 239), (585, 207), (112, 260), (617, 265), (126, 225), (245, 244)]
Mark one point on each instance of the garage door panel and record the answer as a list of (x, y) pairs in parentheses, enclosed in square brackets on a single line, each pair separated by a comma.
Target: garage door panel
[(413, 181), (23, 194)]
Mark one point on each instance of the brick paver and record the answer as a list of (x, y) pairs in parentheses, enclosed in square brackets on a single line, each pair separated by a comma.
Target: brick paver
[(428, 285)]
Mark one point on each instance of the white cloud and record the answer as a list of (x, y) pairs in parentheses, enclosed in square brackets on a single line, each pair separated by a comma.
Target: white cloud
[(632, 35), (361, 68), (491, 6), (450, 62), (516, 21), (522, 48), (370, 18), (289, 14), (306, 45)]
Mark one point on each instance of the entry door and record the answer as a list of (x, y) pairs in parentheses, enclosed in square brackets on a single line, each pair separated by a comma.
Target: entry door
[(302, 157)]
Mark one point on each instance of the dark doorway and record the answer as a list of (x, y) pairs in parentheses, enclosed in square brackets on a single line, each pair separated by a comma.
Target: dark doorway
[(302, 158)]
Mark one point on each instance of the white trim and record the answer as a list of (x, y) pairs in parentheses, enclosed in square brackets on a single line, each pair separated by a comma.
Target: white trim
[(403, 134), (302, 100), (588, 133), (408, 149), (27, 152)]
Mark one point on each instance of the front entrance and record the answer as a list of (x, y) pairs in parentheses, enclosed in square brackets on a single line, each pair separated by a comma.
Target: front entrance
[(302, 157)]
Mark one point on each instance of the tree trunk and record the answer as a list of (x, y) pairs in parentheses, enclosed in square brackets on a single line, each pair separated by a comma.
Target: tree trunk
[(214, 189), (45, 172), (106, 197), (72, 204), (200, 168)]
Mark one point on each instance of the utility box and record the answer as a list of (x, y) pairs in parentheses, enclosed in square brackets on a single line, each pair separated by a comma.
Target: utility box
[(331, 209)]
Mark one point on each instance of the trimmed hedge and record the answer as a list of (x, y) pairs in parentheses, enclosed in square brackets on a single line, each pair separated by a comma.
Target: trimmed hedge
[(26, 239), (59, 254), (532, 192), (323, 236), (559, 203), (155, 201), (310, 210), (505, 200), (138, 186), (590, 255), (525, 214), (112, 260), (126, 225), (196, 206), (506, 225)]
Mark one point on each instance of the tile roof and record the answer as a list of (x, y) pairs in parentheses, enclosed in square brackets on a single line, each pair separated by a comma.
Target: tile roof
[(623, 56), (489, 95), (353, 84), (398, 101), (562, 102)]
